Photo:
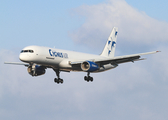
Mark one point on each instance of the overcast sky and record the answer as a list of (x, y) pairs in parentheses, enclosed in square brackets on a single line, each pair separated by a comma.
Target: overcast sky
[(132, 91)]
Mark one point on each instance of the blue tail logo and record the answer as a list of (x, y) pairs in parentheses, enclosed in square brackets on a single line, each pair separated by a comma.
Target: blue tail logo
[(110, 46), (116, 33)]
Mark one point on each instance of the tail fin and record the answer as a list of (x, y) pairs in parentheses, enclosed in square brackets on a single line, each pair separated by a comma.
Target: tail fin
[(109, 48)]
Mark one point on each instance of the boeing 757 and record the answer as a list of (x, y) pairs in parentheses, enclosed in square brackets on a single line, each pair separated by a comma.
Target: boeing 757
[(37, 59)]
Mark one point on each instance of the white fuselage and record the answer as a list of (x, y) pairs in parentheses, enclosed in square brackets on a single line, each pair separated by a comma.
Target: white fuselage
[(57, 58)]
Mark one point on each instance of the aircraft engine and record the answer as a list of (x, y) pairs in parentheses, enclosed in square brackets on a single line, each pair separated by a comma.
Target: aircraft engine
[(36, 70), (89, 66)]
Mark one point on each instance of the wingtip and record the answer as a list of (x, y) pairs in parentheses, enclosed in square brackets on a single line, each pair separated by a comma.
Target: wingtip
[(158, 51)]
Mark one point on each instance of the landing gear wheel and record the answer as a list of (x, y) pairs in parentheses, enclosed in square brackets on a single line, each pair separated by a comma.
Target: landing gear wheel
[(58, 80), (55, 80), (85, 78), (91, 79), (61, 81), (88, 78)]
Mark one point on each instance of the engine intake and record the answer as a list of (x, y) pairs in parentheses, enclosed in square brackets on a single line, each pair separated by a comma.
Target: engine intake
[(89, 66), (36, 70)]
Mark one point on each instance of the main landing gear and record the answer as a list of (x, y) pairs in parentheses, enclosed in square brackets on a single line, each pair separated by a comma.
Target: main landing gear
[(58, 80), (88, 78)]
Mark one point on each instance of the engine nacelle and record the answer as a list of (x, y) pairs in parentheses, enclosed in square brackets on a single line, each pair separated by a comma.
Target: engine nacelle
[(36, 70), (89, 66)]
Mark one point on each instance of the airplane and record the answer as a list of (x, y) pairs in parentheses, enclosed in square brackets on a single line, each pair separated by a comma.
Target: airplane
[(38, 59)]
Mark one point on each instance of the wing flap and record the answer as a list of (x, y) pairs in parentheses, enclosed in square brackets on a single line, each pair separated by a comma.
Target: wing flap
[(117, 61)]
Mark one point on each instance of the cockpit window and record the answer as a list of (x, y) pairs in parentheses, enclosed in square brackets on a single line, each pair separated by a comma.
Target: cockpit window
[(26, 51), (31, 51)]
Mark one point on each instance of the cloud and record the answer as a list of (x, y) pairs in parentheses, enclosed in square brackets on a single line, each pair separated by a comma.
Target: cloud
[(135, 27), (131, 91)]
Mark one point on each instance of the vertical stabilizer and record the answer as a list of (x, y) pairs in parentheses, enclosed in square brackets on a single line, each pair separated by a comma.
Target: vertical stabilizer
[(109, 48)]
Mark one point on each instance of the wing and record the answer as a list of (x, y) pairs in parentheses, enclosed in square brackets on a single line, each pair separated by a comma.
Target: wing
[(17, 63), (123, 59), (117, 60)]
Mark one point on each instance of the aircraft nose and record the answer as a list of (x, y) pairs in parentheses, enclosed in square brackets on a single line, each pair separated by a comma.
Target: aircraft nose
[(23, 57)]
